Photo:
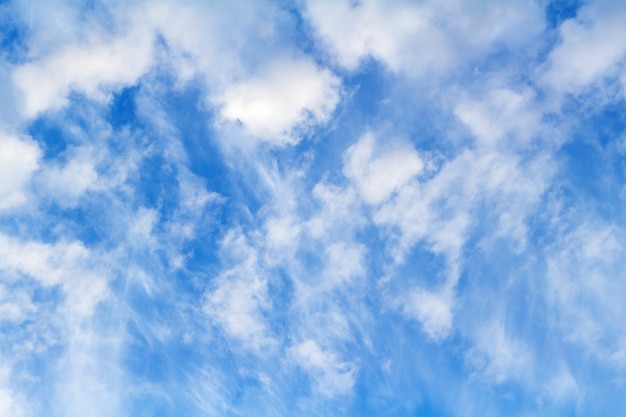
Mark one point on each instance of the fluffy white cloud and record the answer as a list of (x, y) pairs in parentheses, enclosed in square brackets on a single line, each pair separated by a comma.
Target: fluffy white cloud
[(338, 215), (379, 169), (417, 37), (67, 183), (564, 388), (282, 100), (440, 211), (499, 357), (15, 305), (238, 297), (93, 68), (8, 406), (19, 159), (593, 46), (585, 285), (502, 116), (331, 375), (432, 310), (353, 32), (66, 264)]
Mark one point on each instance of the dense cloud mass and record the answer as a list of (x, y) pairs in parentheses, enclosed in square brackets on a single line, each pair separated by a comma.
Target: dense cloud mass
[(312, 208)]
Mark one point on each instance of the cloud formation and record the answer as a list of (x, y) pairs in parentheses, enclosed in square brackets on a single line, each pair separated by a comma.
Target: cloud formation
[(312, 208)]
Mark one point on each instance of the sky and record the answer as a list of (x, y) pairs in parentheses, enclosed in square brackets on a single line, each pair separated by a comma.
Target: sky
[(312, 208)]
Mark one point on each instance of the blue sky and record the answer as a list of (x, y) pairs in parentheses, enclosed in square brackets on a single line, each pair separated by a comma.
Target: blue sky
[(312, 208)]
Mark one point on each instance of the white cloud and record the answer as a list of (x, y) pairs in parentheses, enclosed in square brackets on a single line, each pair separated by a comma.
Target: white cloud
[(67, 183), (15, 305), (238, 297), (282, 232), (498, 356), (380, 169), (585, 286), (93, 68), (231, 27), (67, 264), (282, 239), (276, 98), (501, 117), (440, 211), (418, 37), (19, 159), (353, 32), (331, 375), (593, 46), (344, 262), (432, 310), (422, 211), (282, 100), (8, 406), (338, 215), (141, 227), (563, 388)]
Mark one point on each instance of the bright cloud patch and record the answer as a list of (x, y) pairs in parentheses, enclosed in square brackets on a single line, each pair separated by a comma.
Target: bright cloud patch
[(283, 100), (379, 172), (331, 376), (92, 69), (18, 160), (424, 37)]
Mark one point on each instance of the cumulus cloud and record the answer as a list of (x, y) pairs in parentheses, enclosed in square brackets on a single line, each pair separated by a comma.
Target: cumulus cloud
[(19, 159), (8, 406), (66, 264), (282, 101), (94, 69), (332, 376), (498, 357), (592, 47), (352, 32), (378, 169), (418, 38), (67, 183), (583, 285), (238, 298), (503, 116), (433, 311)]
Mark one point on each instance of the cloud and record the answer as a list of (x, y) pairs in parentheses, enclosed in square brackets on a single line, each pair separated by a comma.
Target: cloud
[(15, 305), (498, 357), (66, 264), (95, 68), (19, 159), (67, 183), (583, 286), (352, 32), (433, 310), (332, 376), (502, 116), (564, 388), (378, 170), (282, 101), (592, 47), (8, 406), (238, 297), (202, 257), (429, 37)]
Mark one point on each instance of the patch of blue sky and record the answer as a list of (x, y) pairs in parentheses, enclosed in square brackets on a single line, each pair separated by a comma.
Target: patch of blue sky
[(557, 11)]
